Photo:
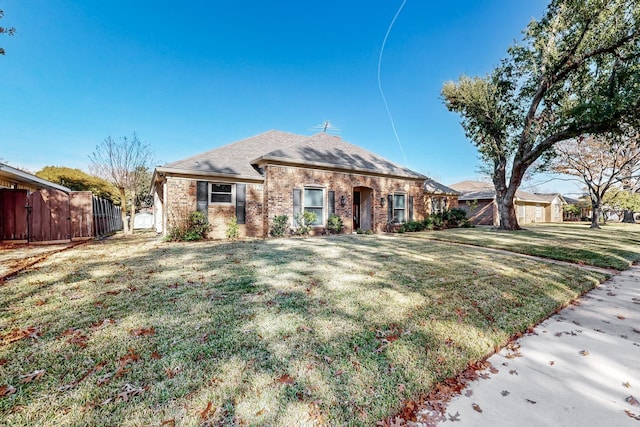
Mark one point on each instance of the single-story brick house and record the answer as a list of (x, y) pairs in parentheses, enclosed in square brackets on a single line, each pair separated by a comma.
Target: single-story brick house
[(279, 173), (478, 199)]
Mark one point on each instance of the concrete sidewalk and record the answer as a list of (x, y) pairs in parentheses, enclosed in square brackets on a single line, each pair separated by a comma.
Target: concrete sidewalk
[(580, 367)]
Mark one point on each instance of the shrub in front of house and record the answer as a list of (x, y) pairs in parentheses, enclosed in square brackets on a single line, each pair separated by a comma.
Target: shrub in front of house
[(279, 227), (195, 227), (304, 221), (451, 218), (335, 224), (233, 229)]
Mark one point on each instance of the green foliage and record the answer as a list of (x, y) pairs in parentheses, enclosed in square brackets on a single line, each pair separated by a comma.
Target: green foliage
[(195, 227), (450, 218), (279, 227), (574, 73), (305, 221), (233, 229), (335, 224), (77, 180), (619, 199)]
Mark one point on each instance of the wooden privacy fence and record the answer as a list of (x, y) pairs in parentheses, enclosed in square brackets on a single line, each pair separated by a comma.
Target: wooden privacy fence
[(53, 215)]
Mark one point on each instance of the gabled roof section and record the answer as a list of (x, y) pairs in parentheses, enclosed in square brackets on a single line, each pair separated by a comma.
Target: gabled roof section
[(17, 176), (434, 187), (328, 151), (233, 159)]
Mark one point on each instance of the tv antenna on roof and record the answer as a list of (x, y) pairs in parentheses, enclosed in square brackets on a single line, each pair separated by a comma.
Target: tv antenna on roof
[(327, 127)]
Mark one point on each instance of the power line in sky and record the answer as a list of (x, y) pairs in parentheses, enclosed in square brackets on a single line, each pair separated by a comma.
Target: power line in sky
[(386, 105)]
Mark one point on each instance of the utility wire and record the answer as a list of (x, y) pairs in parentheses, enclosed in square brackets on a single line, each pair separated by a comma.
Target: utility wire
[(386, 105)]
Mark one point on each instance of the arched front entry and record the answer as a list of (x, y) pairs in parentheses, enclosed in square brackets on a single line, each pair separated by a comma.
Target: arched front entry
[(362, 208)]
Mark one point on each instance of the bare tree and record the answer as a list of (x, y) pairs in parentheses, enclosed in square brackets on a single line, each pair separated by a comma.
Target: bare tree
[(600, 162), (121, 163)]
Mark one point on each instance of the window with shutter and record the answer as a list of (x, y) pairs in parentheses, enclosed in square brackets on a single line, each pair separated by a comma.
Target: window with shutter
[(410, 208), (297, 203), (241, 198), (202, 198), (331, 208)]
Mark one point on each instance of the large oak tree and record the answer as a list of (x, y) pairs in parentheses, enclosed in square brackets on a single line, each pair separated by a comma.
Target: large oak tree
[(576, 72)]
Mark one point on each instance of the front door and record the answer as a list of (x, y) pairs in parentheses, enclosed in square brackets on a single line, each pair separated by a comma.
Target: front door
[(356, 210)]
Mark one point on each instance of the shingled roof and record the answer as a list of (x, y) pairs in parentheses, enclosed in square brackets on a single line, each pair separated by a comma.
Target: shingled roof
[(233, 159), (323, 150), (241, 159)]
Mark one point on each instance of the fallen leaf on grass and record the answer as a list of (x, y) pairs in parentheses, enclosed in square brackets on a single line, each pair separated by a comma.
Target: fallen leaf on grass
[(169, 423), (33, 376), (104, 379), (40, 302), (632, 400), (476, 408), (75, 336), (18, 334), (3, 361), (286, 379), (6, 390), (156, 355), (205, 414), (584, 352), (173, 372), (143, 331)]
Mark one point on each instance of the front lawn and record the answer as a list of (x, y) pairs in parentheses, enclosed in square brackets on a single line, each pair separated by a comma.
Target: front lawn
[(318, 331), (615, 245)]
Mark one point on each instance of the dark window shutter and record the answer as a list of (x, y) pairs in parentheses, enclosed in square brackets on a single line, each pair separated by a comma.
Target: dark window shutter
[(202, 197), (297, 203), (390, 208), (410, 208), (241, 199), (331, 195)]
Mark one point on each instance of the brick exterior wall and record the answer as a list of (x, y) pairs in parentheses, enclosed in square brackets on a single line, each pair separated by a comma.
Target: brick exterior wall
[(181, 201), (275, 197), (282, 180)]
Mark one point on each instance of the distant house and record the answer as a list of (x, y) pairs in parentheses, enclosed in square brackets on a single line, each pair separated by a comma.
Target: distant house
[(279, 173), (478, 199), (16, 179)]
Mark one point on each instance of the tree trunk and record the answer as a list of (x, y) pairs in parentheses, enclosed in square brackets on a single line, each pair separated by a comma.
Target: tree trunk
[(628, 217), (507, 212), (132, 216), (123, 211), (596, 211)]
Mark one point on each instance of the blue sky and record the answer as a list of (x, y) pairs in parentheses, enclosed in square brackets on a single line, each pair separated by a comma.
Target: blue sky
[(191, 76)]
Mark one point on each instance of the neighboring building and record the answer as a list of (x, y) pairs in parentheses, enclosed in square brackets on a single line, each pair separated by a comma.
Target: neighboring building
[(16, 179), (278, 173), (478, 199)]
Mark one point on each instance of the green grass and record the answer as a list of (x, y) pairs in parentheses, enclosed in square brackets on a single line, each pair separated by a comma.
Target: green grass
[(614, 246), (318, 331)]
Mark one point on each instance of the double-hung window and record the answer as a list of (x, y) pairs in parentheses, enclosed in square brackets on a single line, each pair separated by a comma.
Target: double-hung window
[(314, 202), (399, 208), (221, 193)]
